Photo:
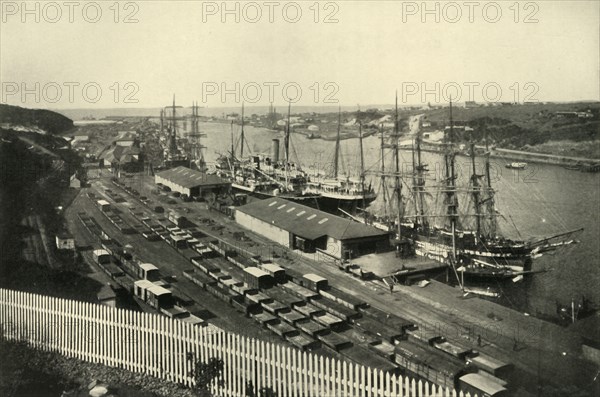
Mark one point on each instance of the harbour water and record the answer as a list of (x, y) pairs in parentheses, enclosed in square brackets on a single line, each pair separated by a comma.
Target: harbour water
[(539, 201)]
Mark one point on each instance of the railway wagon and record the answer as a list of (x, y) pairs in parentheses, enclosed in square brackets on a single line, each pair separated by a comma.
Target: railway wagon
[(334, 341), (112, 270), (429, 364), (204, 266), (224, 294), (329, 320), (244, 306), (257, 278), (291, 316), (273, 306), (101, 256), (490, 365), (277, 272), (302, 342), (283, 296), (383, 349), (364, 356), (199, 278), (264, 318), (220, 275), (314, 282), (177, 218), (389, 319), (231, 283), (258, 297), (350, 301), (453, 349), (297, 290), (336, 309), (154, 295), (479, 385), (243, 289), (282, 329), (308, 309), (372, 326), (311, 328), (423, 336)]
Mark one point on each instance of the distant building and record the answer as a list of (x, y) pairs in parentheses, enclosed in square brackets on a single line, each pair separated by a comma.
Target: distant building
[(64, 241), (297, 226), (126, 138), (471, 104), (192, 183)]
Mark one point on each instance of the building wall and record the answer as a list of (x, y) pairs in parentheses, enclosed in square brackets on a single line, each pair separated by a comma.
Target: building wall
[(65, 244), (173, 186), (334, 247), (265, 229)]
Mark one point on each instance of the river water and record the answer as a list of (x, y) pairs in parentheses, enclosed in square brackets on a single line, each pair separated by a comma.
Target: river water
[(540, 201)]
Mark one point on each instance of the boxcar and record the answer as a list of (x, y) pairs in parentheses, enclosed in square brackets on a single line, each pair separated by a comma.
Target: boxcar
[(257, 278), (490, 365), (277, 272), (314, 282)]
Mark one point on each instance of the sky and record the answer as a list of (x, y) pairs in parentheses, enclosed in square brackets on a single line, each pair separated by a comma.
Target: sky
[(106, 54)]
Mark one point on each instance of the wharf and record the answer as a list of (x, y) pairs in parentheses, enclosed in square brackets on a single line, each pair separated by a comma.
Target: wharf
[(387, 264)]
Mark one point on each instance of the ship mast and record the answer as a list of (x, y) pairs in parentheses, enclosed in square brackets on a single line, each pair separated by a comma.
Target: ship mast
[(337, 146), (398, 186), (421, 182), (383, 186), (490, 192), (242, 135), (476, 191), (287, 146), (362, 165), (451, 193)]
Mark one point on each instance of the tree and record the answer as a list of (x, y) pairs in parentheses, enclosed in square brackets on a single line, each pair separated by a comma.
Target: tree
[(204, 373)]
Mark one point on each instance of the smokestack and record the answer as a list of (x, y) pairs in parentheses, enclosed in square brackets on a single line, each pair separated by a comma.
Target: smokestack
[(275, 150)]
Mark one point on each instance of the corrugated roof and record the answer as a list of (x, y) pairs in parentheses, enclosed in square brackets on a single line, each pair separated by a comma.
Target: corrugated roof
[(307, 222), (147, 266), (484, 384), (189, 178)]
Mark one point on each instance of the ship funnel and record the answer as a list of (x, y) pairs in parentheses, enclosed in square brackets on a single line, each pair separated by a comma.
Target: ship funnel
[(275, 150)]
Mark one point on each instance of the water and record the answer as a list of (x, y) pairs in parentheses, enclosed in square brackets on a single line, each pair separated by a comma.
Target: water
[(540, 201)]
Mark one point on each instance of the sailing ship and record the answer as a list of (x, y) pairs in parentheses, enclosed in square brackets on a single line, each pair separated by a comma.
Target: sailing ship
[(342, 192), (263, 176), (471, 242)]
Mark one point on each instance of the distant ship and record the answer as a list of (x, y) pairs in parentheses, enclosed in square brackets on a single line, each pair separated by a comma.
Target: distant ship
[(262, 176), (342, 192), (516, 165)]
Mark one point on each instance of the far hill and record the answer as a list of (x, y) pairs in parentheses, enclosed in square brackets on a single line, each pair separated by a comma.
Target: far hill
[(46, 120)]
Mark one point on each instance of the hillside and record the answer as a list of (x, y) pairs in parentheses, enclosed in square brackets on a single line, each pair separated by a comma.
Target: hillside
[(45, 120)]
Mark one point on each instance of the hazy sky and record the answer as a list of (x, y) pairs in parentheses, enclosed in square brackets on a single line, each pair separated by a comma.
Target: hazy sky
[(374, 48)]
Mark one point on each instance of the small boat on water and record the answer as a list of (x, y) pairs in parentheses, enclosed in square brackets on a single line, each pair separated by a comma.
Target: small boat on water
[(516, 166)]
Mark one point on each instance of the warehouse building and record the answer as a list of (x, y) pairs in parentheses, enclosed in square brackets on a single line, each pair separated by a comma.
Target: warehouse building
[(192, 183), (300, 227)]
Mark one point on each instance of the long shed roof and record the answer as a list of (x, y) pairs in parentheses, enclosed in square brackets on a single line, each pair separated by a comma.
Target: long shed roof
[(189, 178), (307, 222)]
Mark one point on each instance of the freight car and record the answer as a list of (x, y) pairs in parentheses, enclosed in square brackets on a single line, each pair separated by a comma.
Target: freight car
[(302, 342), (329, 320), (334, 341), (429, 364), (291, 316), (372, 326), (336, 309), (308, 309), (277, 272), (350, 301), (257, 278), (199, 278), (423, 336), (274, 307), (297, 290), (314, 282), (282, 329), (283, 296), (453, 349), (264, 318), (311, 328), (389, 319)]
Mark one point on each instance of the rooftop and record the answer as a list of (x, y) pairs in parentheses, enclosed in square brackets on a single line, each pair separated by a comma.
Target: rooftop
[(189, 178), (307, 222)]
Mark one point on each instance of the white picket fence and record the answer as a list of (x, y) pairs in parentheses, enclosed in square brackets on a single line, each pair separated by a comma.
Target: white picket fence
[(159, 346)]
